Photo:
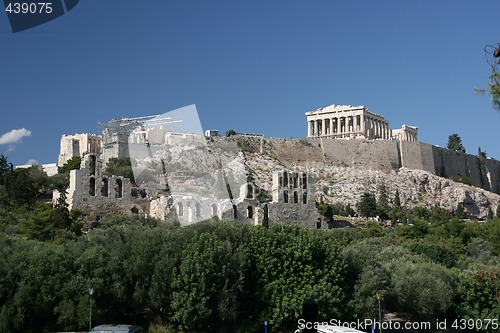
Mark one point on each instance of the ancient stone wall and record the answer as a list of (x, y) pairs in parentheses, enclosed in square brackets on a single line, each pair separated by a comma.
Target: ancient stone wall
[(385, 155), (98, 195)]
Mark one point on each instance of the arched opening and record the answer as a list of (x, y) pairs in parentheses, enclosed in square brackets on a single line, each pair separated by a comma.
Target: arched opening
[(295, 197), (285, 179), (180, 209), (134, 210), (285, 196), (318, 224), (92, 187), (197, 210), (235, 212), (249, 191), (119, 188), (250, 212), (304, 197), (295, 180), (304, 181), (92, 165), (214, 210), (104, 187)]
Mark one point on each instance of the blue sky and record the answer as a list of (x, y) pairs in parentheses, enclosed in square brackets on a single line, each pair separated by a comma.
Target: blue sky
[(255, 66)]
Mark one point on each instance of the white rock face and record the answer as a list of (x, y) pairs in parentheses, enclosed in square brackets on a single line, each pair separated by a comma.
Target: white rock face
[(346, 184), (416, 188)]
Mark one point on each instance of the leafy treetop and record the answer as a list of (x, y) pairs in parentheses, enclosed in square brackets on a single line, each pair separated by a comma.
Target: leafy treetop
[(455, 143)]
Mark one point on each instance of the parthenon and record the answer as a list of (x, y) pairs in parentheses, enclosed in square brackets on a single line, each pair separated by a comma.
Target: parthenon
[(349, 122)]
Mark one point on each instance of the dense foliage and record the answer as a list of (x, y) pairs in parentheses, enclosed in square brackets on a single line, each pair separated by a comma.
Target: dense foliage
[(120, 167), (455, 143), (210, 276)]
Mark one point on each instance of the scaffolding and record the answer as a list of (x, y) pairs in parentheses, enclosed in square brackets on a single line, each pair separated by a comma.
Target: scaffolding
[(129, 125)]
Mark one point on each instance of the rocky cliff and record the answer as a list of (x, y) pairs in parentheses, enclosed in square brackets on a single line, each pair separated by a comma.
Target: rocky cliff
[(345, 169)]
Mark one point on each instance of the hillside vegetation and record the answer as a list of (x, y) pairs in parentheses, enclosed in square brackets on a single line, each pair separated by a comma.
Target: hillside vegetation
[(226, 275)]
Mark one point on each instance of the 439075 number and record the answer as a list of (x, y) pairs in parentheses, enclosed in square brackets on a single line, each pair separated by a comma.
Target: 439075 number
[(29, 8)]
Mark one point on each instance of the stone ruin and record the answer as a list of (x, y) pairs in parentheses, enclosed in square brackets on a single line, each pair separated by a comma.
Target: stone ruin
[(98, 195)]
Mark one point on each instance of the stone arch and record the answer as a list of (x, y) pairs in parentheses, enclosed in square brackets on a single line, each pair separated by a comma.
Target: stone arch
[(92, 186), (104, 187), (285, 179), (92, 164), (249, 191), (304, 181), (118, 188), (304, 198), (295, 197), (249, 212), (295, 177), (180, 209), (285, 196), (214, 210), (197, 209)]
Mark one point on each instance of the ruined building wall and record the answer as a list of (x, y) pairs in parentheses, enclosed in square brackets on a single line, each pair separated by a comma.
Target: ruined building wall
[(97, 195), (294, 200), (114, 145), (78, 145), (385, 155)]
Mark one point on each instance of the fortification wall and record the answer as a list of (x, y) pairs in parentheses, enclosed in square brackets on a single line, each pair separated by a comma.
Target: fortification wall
[(385, 155), (481, 172)]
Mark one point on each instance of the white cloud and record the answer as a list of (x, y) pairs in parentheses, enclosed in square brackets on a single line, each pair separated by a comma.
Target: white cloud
[(14, 136), (11, 148), (32, 162)]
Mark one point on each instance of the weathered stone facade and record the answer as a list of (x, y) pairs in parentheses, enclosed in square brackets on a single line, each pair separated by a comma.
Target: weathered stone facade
[(188, 177), (78, 145), (354, 122), (405, 133), (294, 200), (347, 121), (98, 195)]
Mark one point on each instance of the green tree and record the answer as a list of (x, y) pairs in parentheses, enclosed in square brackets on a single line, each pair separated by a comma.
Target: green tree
[(479, 291), (45, 222), (20, 186), (437, 252), (383, 207), (326, 210), (40, 180), (5, 168), (37, 274), (423, 291), (230, 132), (121, 166), (455, 143), (291, 264), (493, 58), (265, 218), (480, 153), (492, 234), (397, 199), (367, 206), (207, 285), (71, 164)]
